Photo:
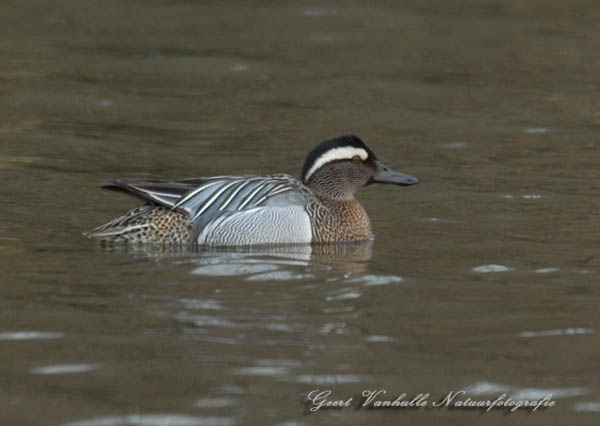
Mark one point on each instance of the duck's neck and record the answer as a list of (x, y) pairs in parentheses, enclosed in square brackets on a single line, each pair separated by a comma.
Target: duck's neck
[(339, 220)]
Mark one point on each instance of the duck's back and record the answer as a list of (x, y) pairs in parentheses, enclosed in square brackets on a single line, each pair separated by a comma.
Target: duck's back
[(224, 210)]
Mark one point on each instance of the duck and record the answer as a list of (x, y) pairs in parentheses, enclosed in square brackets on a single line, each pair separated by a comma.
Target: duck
[(249, 210)]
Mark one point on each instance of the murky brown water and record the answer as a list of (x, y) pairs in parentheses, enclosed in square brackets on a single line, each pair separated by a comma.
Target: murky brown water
[(485, 277)]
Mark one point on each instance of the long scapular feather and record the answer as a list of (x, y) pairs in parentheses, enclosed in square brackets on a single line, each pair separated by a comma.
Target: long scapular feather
[(203, 198)]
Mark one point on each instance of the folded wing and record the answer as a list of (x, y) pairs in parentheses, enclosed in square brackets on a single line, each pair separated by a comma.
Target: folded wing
[(205, 199)]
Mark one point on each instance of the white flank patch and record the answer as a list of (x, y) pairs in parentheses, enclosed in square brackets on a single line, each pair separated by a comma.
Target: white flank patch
[(341, 153)]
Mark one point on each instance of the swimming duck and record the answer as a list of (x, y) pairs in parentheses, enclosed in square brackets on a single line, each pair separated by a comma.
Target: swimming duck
[(257, 210)]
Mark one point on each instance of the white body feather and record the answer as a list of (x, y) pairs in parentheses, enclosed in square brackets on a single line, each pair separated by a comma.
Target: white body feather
[(259, 225)]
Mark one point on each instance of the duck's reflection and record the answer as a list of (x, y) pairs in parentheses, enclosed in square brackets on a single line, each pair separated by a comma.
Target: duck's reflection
[(350, 258)]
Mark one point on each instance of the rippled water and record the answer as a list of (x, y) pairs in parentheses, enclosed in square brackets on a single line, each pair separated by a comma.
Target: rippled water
[(483, 278)]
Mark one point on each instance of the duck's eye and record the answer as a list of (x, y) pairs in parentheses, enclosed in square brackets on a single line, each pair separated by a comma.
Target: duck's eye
[(356, 160)]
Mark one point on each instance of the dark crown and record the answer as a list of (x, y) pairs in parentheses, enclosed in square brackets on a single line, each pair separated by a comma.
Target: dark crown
[(329, 144)]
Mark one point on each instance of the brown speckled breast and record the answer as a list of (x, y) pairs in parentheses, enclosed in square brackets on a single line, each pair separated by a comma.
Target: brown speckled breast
[(334, 220)]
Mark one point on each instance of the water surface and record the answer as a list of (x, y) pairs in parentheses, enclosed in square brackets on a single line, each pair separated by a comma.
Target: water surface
[(484, 277)]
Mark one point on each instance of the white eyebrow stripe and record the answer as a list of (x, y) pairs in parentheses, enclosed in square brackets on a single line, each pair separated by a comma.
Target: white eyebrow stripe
[(340, 153)]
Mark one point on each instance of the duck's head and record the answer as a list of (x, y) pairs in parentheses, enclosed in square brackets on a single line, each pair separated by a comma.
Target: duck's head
[(337, 167)]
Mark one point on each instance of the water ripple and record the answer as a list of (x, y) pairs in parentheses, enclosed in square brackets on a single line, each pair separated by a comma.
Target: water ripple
[(492, 268), (587, 406), (155, 420), (536, 130), (379, 339), (220, 402), (557, 332), (332, 328), (239, 67), (233, 269), (370, 280), (344, 295), (279, 276), (65, 368), (262, 371), (30, 335), (521, 393), (328, 379), (205, 320), (454, 145), (201, 304)]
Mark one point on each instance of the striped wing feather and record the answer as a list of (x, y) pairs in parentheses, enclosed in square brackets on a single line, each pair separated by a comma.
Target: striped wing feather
[(206, 198)]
